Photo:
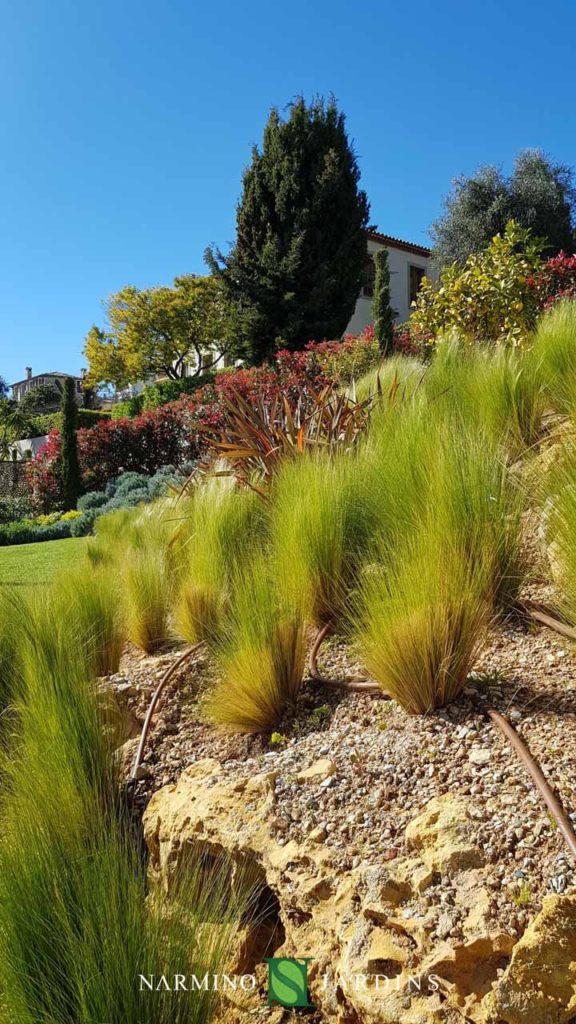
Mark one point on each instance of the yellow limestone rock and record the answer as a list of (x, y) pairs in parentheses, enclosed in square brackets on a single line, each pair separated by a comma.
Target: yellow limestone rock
[(440, 836), (317, 772), (359, 925), (539, 986)]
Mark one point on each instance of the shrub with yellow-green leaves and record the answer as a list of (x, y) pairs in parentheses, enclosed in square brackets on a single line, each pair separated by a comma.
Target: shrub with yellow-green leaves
[(490, 298)]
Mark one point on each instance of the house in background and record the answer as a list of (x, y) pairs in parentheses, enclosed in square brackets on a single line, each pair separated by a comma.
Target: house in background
[(408, 263), (54, 379)]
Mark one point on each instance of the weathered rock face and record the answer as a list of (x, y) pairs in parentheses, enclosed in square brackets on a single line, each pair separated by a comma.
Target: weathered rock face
[(118, 720), (439, 835), (375, 958), (540, 984)]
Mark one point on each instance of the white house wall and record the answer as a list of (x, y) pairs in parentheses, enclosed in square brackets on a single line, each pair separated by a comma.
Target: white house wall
[(399, 262)]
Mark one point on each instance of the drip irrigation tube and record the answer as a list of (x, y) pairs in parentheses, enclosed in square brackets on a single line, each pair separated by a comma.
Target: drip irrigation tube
[(356, 684), (541, 614), (548, 796), (152, 706)]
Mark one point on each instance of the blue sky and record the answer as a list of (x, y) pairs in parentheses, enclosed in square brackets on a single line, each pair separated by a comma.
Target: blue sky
[(125, 127)]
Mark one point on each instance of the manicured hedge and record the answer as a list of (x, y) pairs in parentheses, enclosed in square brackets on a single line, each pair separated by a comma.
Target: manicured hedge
[(126, 491)]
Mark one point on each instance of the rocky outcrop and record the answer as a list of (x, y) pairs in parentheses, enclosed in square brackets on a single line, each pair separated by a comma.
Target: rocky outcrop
[(383, 952), (540, 984), (440, 836)]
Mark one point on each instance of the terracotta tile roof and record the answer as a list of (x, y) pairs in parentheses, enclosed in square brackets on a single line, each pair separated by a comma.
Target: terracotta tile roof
[(398, 243)]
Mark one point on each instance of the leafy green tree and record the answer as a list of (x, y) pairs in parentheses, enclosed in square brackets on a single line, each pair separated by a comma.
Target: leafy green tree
[(15, 423), (295, 271), (158, 331), (4, 388), (539, 195), (40, 399), (382, 312), (70, 476)]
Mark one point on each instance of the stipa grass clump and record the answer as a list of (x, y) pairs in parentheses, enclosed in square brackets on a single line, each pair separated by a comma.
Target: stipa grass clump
[(496, 390), (76, 925), (149, 589), (321, 528), (89, 600), (559, 495), (420, 619), (140, 547), (554, 356), (225, 524), (477, 502), (13, 619), (260, 653)]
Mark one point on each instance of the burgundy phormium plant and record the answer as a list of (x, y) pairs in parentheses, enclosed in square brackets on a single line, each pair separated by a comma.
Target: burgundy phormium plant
[(257, 437)]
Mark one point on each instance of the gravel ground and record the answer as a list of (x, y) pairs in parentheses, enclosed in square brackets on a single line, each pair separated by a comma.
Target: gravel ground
[(389, 764)]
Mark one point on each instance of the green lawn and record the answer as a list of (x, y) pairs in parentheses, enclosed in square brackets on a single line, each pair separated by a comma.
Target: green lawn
[(29, 564)]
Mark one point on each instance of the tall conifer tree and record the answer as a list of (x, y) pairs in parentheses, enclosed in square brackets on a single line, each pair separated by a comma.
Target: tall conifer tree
[(382, 312), (71, 480), (295, 271)]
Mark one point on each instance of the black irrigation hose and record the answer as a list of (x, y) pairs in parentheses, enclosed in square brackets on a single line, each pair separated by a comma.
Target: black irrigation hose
[(355, 684), (152, 706), (548, 796)]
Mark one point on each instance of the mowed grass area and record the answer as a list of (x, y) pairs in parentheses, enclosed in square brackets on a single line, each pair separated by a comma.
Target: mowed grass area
[(30, 564)]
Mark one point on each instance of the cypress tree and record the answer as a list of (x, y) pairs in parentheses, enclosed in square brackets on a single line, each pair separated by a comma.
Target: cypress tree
[(382, 312), (295, 271), (70, 477)]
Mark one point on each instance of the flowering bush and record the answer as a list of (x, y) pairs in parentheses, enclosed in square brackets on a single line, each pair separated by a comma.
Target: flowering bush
[(180, 432), (53, 526)]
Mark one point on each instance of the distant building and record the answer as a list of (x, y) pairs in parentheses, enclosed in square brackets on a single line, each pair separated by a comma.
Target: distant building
[(408, 263), (53, 379)]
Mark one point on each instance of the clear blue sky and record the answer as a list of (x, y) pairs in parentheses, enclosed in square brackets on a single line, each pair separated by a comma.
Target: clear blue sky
[(125, 127)]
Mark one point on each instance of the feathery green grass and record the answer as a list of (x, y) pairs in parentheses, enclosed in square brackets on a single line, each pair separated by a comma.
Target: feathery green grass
[(260, 653), (225, 526), (420, 617), (554, 356), (559, 494), (321, 527), (495, 390), (76, 926)]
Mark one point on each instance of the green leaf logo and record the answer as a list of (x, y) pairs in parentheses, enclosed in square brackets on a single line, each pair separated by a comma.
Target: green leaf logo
[(288, 981)]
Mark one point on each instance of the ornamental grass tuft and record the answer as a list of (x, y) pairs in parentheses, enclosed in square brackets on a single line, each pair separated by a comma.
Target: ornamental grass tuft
[(260, 653)]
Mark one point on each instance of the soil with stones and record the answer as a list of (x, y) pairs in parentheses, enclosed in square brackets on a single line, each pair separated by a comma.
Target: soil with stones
[(388, 764)]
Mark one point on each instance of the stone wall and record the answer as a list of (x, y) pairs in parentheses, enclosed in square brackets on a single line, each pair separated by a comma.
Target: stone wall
[(13, 479)]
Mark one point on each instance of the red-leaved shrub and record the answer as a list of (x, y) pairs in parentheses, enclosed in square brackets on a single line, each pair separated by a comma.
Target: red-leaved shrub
[(170, 434)]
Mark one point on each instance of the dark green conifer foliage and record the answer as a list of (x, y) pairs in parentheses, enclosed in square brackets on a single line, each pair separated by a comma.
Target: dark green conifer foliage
[(382, 312), (295, 271), (70, 476)]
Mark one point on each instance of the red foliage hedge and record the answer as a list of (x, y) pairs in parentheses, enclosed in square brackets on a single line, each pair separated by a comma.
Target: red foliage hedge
[(555, 280), (169, 435)]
